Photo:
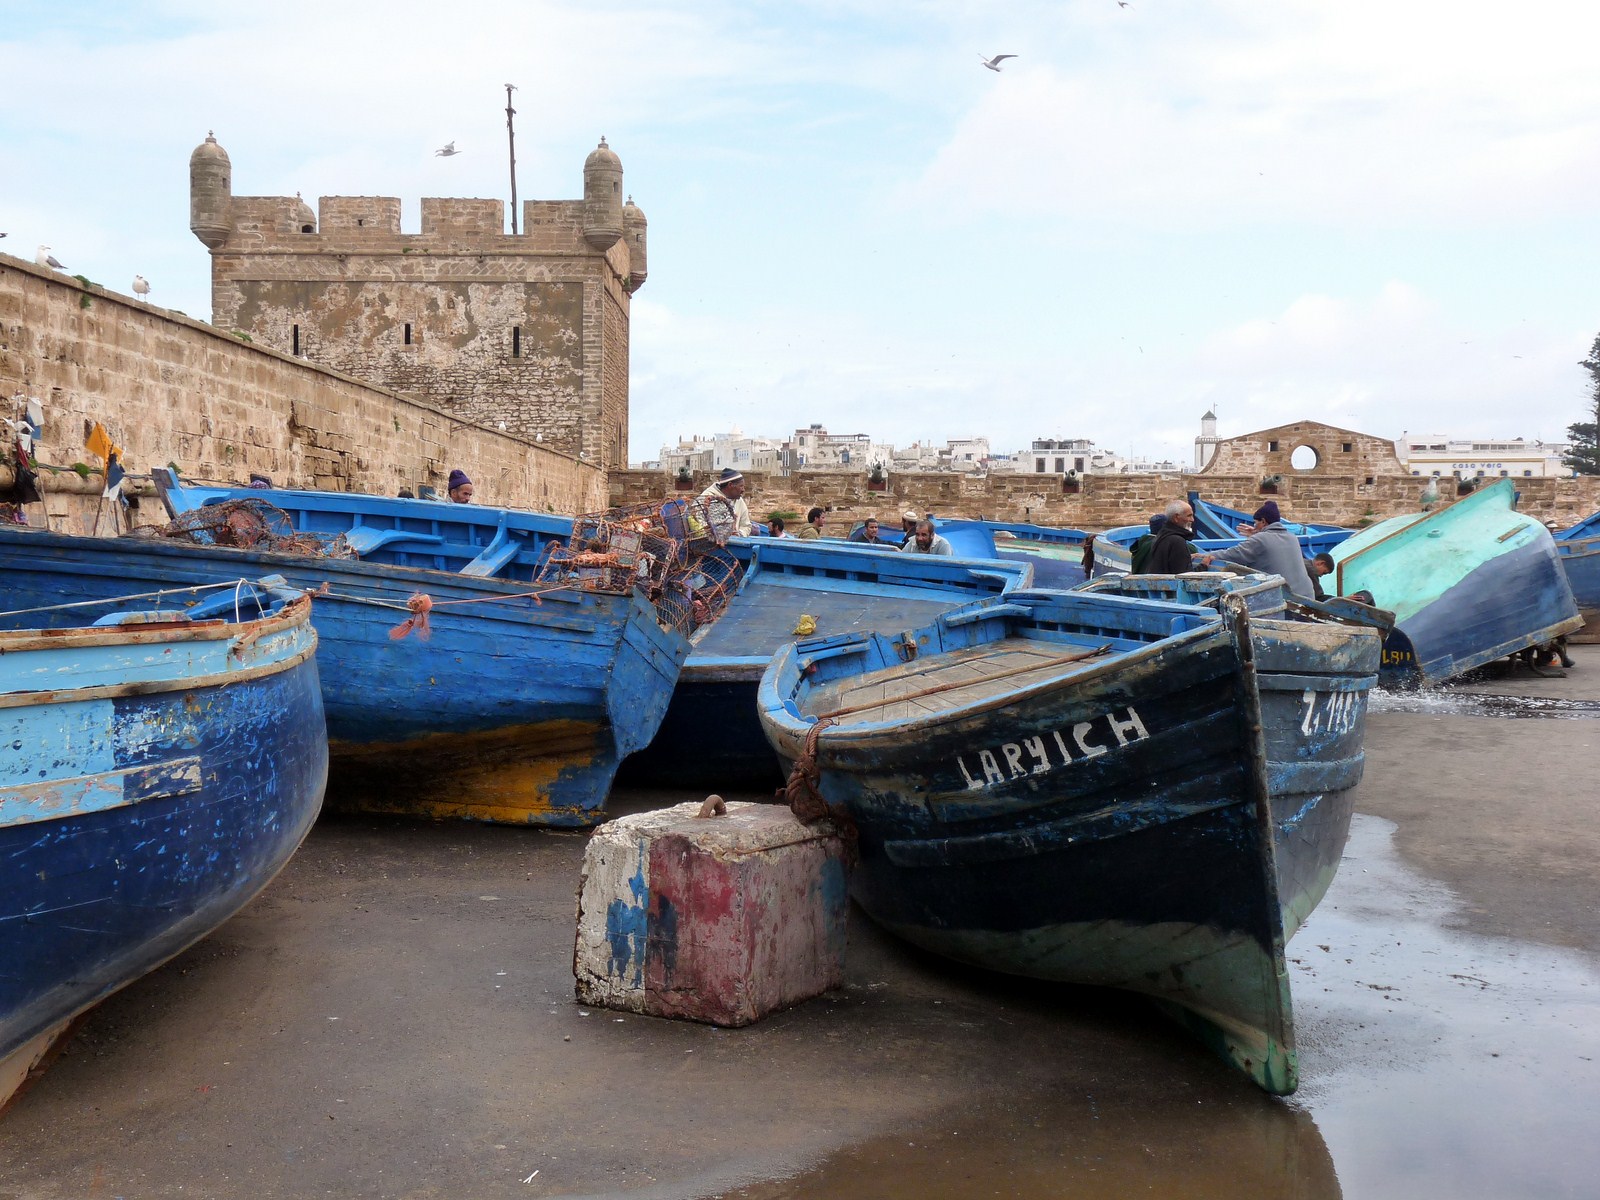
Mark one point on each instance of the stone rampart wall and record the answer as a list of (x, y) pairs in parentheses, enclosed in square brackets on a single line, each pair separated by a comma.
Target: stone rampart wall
[(1103, 501), (171, 389)]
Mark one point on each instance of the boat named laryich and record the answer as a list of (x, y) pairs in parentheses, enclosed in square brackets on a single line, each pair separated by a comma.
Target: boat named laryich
[(1066, 786)]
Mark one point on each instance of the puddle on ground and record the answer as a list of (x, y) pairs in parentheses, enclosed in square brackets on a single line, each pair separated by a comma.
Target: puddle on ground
[(1442, 702), (1434, 1064)]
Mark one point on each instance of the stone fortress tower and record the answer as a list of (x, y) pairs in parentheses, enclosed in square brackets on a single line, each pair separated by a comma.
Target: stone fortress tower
[(528, 333)]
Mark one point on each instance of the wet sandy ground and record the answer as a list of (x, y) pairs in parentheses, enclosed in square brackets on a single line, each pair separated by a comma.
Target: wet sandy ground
[(394, 1018)]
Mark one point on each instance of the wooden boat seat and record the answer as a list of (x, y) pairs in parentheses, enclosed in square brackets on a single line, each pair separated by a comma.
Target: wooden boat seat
[(950, 681), (364, 539)]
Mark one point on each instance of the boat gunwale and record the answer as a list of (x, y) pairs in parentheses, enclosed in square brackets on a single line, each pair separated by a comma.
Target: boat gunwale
[(1087, 669), (215, 629), (299, 618)]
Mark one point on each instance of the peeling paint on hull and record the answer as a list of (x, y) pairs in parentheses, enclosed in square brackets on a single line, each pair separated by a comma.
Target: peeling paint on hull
[(134, 823)]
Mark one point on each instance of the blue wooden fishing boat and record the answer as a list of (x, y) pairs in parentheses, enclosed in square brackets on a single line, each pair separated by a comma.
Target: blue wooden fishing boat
[(1579, 548), (1468, 582), (1062, 785), (156, 771), (783, 589), (1056, 555), (1316, 665), (539, 673), (1216, 530)]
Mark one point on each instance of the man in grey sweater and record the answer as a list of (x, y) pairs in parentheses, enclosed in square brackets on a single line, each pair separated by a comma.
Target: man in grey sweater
[(1272, 549)]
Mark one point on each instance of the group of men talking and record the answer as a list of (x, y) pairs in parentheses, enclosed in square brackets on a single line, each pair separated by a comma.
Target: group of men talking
[(1269, 546)]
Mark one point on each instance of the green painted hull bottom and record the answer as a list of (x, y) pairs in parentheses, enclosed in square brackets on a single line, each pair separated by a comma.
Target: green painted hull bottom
[(1223, 987)]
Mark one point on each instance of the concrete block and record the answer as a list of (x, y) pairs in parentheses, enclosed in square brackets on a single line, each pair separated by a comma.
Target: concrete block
[(721, 919)]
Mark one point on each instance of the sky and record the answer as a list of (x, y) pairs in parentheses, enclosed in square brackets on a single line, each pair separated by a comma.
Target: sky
[(1381, 215)]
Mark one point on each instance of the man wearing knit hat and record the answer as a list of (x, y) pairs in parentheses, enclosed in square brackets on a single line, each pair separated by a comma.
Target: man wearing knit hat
[(725, 507), (1270, 548), (460, 487)]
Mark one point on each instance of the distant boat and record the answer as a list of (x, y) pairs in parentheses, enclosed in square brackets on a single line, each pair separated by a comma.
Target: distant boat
[(1467, 583), (1580, 559), (1216, 530), (156, 771), (515, 709), (788, 588), (1056, 555), (1062, 785)]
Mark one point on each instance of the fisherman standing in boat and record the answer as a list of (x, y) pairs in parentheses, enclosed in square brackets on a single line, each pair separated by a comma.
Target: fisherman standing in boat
[(1171, 553), (724, 506), (1270, 548)]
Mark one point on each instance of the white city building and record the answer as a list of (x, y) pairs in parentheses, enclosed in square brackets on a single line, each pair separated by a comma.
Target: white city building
[(1467, 458)]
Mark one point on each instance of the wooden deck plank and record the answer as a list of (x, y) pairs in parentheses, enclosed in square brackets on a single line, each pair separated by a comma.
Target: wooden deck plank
[(964, 677)]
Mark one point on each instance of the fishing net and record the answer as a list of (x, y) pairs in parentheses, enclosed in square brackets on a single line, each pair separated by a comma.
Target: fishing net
[(643, 546), (253, 524)]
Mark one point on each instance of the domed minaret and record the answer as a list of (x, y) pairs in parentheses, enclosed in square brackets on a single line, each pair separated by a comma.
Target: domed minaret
[(602, 197), (635, 229), (210, 192)]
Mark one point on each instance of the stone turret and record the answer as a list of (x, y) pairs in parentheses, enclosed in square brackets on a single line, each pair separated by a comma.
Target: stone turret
[(635, 231), (210, 192), (602, 197)]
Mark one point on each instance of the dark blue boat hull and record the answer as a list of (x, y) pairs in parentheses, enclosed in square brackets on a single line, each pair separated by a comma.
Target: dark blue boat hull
[(1115, 831)]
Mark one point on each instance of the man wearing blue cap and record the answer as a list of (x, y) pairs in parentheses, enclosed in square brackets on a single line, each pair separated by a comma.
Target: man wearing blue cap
[(1272, 549)]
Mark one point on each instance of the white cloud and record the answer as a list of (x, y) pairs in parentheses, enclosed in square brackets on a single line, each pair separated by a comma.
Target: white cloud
[(1368, 114)]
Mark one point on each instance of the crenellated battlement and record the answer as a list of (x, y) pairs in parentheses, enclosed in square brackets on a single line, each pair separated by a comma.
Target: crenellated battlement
[(526, 332)]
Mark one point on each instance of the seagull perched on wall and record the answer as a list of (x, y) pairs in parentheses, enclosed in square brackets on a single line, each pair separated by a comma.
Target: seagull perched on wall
[(1430, 494), (994, 63), (448, 149), (45, 259), (141, 288)]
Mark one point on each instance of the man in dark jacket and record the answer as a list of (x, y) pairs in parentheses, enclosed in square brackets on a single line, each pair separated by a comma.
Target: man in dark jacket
[(1139, 552), (1171, 553)]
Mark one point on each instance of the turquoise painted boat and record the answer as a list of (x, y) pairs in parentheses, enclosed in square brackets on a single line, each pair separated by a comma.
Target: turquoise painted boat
[(1467, 583)]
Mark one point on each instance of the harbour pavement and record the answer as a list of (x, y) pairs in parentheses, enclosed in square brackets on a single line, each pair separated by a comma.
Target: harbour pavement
[(394, 1017)]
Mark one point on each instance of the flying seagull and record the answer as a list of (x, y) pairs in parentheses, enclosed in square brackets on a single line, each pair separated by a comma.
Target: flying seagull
[(449, 149), (994, 63), (141, 287), (45, 259)]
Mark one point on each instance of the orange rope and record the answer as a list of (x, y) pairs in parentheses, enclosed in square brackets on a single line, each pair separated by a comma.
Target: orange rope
[(420, 605)]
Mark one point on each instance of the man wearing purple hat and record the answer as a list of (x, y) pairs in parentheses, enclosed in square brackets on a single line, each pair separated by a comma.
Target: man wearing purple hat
[(1271, 549), (460, 487)]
